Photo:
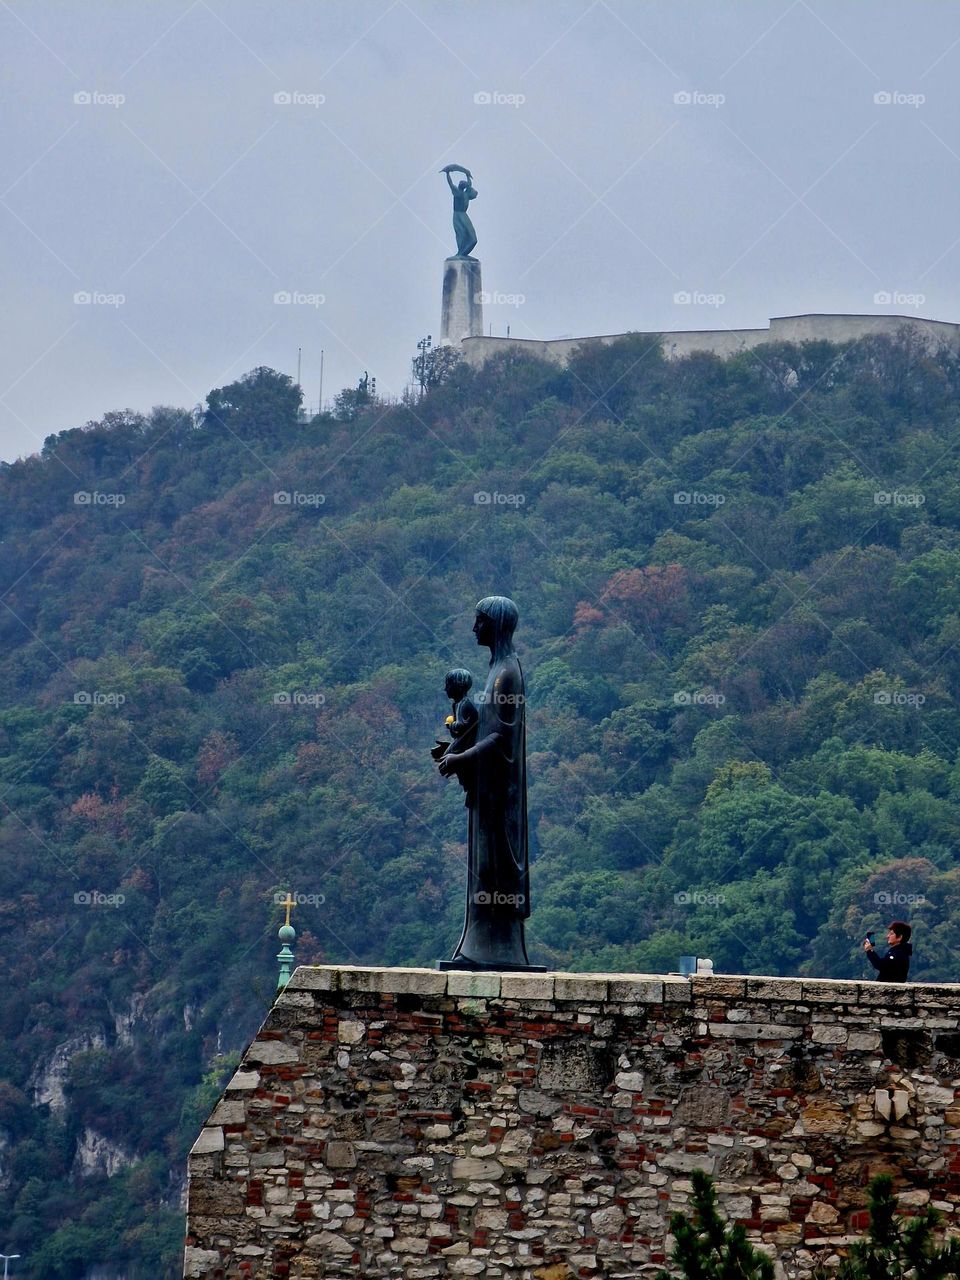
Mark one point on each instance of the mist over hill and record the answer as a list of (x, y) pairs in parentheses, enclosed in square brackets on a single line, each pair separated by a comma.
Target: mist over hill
[(222, 646)]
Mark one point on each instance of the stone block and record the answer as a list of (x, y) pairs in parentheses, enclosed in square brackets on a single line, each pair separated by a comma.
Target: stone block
[(318, 977), (580, 987), (341, 1155), (830, 991), (775, 989), (198, 1263), (638, 990), (480, 986), (677, 990), (242, 1081), (209, 1141), (229, 1112), (718, 986), (470, 1168), (526, 986), (272, 1052), (755, 1031)]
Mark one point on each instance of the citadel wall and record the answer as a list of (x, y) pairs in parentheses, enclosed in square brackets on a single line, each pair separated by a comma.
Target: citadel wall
[(408, 1122), (729, 342)]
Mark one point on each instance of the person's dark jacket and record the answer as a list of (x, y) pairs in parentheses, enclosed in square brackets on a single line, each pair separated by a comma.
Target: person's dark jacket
[(895, 965)]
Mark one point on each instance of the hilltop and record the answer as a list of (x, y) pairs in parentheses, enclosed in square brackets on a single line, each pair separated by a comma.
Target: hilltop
[(224, 638)]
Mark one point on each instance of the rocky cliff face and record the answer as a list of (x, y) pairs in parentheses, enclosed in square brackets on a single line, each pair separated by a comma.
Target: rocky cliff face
[(544, 1126)]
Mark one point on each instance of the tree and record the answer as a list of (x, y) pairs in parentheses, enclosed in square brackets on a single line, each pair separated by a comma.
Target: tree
[(262, 402), (896, 1248), (706, 1249)]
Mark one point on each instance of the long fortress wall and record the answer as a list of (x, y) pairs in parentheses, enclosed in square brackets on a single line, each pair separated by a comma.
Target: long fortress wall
[(420, 1124), (730, 342)]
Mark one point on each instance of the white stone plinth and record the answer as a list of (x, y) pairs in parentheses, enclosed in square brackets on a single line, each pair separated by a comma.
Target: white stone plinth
[(462, 315)]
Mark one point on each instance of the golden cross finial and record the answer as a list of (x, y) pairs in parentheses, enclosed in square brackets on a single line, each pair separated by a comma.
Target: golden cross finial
[(288, 903)]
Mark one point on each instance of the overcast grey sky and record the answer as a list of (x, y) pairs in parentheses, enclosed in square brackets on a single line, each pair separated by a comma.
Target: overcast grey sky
[(782, 186)]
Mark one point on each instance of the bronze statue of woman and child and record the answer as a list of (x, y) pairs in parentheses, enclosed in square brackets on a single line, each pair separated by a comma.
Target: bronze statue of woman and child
[(486, 753)]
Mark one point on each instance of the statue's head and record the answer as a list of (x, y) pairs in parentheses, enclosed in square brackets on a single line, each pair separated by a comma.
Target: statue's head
[(463, 184), (457, 683), (496, 621)]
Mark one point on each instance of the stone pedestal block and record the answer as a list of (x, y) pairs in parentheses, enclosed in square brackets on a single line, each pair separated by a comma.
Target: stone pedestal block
[(462, 314)]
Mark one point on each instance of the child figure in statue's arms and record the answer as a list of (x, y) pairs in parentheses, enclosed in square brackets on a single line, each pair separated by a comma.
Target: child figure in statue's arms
[(462, 724)]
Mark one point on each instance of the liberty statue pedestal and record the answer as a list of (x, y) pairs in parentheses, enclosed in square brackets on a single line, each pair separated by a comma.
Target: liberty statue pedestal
[(462, 314)]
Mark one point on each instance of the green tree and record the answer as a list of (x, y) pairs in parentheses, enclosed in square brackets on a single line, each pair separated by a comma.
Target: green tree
[(897, 1248), (706, 1248)]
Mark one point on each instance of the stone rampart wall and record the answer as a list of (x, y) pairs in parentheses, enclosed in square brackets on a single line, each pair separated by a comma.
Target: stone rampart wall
[(411, 1123)]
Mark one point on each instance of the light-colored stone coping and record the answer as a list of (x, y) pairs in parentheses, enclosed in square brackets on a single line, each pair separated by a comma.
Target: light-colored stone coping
[(615, 988)]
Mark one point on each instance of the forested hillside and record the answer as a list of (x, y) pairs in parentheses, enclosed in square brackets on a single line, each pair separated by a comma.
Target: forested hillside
[(222, 646)]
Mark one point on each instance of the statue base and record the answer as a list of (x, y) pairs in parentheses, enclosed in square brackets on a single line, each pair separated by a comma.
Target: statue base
[(473, 966), (462, 312)]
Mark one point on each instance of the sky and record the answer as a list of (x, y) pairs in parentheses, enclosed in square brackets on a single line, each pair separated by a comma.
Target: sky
[(173, 170)]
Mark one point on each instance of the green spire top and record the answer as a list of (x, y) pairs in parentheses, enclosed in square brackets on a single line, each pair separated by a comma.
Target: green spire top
[(287, 935)]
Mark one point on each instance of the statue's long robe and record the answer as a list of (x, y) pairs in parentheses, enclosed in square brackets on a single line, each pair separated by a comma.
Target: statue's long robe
[(498, 877)]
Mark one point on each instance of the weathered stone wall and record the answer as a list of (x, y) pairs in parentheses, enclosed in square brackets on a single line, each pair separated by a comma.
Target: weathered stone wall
[(729, 342), (405, 1122)]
